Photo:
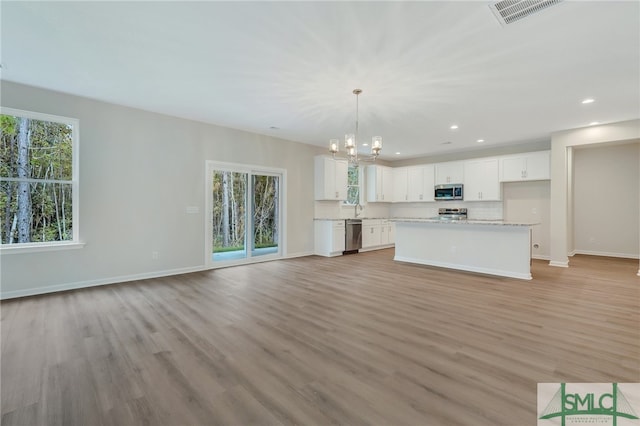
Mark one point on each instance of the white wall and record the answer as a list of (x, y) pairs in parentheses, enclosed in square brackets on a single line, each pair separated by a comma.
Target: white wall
[(138, 172), (605, 178), (529, 202)]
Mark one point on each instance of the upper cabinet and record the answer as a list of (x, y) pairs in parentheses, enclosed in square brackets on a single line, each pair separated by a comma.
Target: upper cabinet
[(481, 180), (452, 172), (421, 183), (529, 166), (400, 182), (379, 184), (413, 184), (330, 178)]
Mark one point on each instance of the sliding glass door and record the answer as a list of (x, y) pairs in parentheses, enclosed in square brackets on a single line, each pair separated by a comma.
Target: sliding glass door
[(265, 219), (229, 215), (245, 218)]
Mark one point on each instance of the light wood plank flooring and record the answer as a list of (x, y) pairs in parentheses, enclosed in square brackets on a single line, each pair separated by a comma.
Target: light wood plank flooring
[(315, 341)]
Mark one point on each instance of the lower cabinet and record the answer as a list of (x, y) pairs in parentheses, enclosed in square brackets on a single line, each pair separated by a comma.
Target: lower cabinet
[(370, 234), (377, 233), (329, 237)]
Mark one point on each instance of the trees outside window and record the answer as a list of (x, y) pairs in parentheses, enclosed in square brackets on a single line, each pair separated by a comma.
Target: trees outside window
[(245, 212), (353, 185), (38, 183)]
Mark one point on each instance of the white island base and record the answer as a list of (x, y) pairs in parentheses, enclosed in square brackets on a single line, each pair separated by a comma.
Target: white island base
[(491, 247)]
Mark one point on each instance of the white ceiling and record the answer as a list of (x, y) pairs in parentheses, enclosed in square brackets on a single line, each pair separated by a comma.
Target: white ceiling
[(423, 66)]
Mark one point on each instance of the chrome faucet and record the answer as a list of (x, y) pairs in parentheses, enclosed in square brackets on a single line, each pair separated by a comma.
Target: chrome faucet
[(356, 209)]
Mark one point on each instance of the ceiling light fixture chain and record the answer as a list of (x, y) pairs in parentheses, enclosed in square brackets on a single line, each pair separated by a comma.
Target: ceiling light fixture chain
[(351, 140)]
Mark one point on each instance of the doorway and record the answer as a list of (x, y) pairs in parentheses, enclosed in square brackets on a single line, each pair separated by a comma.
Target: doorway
[(245, 206)]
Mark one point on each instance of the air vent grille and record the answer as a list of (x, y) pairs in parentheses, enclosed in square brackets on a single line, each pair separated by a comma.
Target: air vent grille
[(509, 11)]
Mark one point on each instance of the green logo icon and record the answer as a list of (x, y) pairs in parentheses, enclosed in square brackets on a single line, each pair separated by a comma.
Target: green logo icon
[(613, 404)]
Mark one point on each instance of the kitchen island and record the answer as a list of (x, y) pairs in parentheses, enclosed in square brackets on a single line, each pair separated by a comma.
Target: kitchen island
[(492, 247)]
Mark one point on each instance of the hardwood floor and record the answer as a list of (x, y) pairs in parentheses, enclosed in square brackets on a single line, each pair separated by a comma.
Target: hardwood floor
[(315, 341)]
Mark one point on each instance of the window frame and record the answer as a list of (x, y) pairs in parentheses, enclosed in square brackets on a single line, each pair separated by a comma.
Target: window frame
[(210, 166), (75, 242)]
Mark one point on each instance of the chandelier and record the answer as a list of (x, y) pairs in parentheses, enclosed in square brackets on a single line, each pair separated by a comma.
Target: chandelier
[(351, 142)]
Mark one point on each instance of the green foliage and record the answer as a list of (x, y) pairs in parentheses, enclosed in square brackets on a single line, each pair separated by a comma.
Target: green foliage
[(229, 210), (50, 153), (353, 185)]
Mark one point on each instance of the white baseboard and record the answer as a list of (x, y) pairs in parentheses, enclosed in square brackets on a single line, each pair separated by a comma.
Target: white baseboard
[(115, 280), (94, 283), (639, 272), (607, 254), (541, 257), (559, 264), (572, 253), (364, 250), (300, 254)]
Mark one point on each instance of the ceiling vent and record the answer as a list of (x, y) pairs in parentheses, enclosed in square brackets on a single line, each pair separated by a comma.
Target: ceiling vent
[(509, 11)]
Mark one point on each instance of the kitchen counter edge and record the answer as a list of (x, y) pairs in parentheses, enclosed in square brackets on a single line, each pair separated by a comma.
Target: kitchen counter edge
[(465, 222)]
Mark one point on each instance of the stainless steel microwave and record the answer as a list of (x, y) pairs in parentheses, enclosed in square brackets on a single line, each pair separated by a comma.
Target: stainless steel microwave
[(451, 191)]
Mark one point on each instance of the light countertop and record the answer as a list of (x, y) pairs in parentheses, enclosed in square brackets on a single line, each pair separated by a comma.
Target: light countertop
[(464, 222), (349, 218)]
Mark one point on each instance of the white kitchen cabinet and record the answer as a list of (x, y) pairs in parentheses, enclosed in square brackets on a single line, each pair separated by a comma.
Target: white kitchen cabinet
[(379, 184), (377, 234), (413, 184), (420, 183), (481, 181), (329, 237), (451, 172), (400, 181), (387, 233), (370, 233), (528, 166), (330, 178)]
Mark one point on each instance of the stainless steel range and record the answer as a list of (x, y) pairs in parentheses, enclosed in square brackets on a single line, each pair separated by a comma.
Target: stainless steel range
[(451, 214)]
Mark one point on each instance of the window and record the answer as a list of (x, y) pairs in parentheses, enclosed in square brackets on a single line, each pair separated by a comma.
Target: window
[(38, 179), (353, 185), (246, 213)]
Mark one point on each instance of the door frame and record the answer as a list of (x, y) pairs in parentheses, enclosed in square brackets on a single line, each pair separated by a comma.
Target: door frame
[(210, 166)]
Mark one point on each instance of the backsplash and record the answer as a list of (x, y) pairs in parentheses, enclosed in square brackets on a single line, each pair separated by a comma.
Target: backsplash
[(336, 210), (488, 210)]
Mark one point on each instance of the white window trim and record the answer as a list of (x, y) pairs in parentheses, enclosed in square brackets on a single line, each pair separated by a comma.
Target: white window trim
[(75, 243), (210, 166)]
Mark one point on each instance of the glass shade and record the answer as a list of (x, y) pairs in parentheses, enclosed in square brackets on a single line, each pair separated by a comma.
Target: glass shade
[(349, 141), (334, 145), (376, 145)]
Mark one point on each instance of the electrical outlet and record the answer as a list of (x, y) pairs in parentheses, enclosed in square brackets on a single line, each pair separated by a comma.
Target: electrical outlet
[(155, 255), (534, 211)]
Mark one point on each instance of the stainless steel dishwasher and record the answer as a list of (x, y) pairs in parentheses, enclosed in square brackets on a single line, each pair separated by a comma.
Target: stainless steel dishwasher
[(353, 236)]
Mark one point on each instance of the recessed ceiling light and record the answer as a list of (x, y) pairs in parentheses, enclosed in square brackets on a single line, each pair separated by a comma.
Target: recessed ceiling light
[(274, 128), (397, 153), (588, 101), (480, 140), (454, 127), (593, 123), (365, 144)]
